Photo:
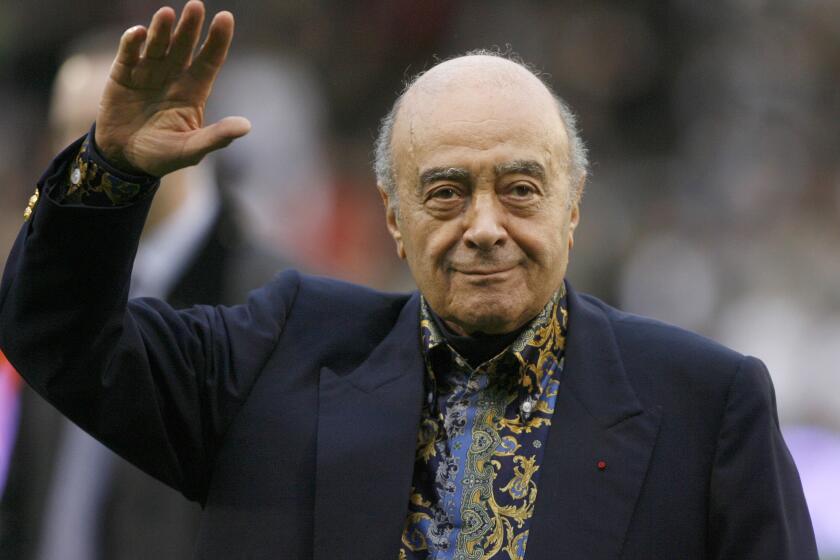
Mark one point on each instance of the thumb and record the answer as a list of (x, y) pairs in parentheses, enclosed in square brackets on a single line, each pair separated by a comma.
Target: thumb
[(215, 136)]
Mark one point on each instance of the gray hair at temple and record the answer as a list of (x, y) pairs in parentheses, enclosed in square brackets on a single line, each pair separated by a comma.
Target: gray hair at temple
[(578, 164)]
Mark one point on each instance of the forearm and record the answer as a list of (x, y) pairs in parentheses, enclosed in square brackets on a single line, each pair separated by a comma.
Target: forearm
[(155, 384), (65, 286), (64, 322)]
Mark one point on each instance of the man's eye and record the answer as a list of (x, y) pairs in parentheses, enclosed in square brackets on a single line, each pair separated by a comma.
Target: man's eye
[(445, 193), (522, 190)]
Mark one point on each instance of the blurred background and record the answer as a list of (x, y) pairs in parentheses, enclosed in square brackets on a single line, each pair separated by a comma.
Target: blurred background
[(714, 198)]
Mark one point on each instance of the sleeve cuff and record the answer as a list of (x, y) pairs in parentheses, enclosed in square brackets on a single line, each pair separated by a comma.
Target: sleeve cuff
[(92, 181)]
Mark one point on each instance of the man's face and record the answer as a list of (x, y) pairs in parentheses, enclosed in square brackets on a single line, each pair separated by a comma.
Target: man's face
[(485, 210)]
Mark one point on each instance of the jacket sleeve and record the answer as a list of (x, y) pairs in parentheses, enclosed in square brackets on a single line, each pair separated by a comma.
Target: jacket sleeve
[(757, 508), (156, 385)]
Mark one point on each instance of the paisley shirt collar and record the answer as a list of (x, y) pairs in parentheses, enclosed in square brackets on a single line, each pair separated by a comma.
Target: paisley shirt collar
[(542, 335)]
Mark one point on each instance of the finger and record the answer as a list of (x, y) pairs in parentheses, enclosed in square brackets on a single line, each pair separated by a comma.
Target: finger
[(213, 52), (215, 136), (186, 34), (160, 30), (128, 54)]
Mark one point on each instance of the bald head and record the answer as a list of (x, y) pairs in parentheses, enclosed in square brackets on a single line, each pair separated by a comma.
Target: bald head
[(451, 88), (476, 70)]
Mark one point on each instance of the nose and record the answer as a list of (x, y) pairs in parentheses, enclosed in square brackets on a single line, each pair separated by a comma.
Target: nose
[(485, 225)]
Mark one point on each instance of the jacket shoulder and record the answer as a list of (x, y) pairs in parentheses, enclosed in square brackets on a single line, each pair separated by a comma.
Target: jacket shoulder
[(661, 357), (652, 335), (343, 300), (334, 319)]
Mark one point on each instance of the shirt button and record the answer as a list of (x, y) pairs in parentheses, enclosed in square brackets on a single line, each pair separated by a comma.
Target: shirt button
[(76, 176), (527, 407)]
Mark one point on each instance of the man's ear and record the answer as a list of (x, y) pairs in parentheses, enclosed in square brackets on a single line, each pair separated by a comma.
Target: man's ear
[(574, 216), (574, 220), (392, 220)]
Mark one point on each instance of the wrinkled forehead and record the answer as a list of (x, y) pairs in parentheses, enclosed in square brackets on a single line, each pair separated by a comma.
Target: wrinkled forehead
[(464, 107)]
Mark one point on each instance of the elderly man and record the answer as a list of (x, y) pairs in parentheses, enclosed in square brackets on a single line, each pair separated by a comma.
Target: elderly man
[(497, 413)]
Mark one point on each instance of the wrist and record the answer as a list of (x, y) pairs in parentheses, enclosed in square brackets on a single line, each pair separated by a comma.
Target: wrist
[(115, 165), (114, 156)]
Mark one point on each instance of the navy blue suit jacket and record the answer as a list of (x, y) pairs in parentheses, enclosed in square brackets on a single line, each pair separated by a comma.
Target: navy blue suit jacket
[(293, 418)]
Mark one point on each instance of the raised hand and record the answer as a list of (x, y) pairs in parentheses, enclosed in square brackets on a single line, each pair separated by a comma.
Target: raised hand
[(151, 114)]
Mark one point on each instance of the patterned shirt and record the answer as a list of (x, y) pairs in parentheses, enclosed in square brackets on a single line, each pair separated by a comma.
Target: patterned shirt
[(481, 441)]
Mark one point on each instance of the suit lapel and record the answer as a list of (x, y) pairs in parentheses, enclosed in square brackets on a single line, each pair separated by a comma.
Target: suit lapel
[(598, 449), (367, 430)]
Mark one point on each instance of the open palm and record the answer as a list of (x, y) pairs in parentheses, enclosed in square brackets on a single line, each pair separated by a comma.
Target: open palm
[(151, 114)]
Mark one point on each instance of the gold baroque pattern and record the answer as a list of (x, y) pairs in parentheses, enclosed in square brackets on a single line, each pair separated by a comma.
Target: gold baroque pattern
[(90, 183)]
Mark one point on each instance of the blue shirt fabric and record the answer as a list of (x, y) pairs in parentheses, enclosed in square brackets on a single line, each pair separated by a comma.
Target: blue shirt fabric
[(481, 442)]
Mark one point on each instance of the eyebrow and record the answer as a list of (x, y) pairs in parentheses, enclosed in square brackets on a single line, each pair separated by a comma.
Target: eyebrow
[(523, 167), (456, 174)]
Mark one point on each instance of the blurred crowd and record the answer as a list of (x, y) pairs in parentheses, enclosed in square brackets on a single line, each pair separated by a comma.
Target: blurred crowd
[(714, 197)]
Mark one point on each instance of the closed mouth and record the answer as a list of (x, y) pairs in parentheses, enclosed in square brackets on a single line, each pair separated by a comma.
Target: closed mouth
[(482, 271)]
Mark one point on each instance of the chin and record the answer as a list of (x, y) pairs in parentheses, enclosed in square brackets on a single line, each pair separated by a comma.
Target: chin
[(490, 315)]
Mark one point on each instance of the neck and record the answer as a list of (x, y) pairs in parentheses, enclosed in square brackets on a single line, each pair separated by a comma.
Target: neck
[(458, 330), (476, 347)]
